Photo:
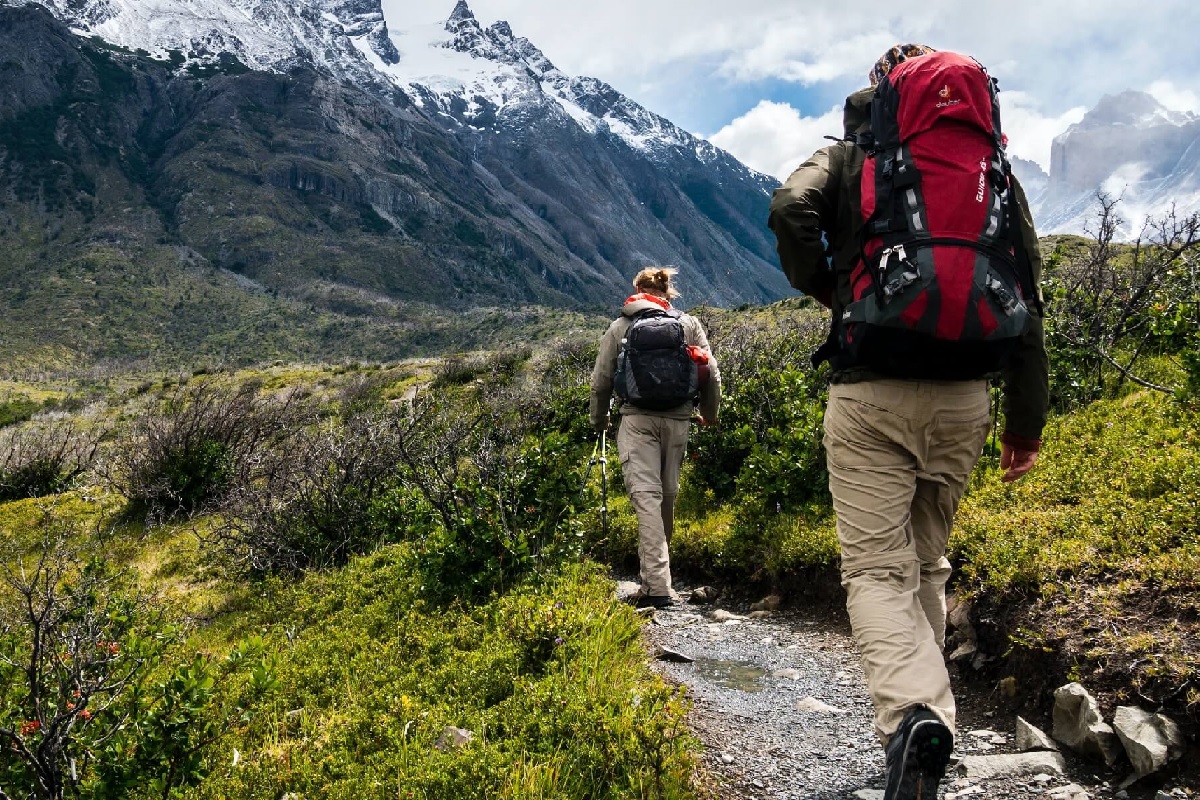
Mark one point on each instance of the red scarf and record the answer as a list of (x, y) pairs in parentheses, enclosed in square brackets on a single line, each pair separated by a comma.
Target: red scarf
[(633, 298)]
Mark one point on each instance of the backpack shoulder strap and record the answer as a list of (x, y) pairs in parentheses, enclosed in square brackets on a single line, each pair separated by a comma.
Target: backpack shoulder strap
[(1024, 264)]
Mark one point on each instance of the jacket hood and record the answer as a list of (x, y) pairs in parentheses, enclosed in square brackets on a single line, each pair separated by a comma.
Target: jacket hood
[(856, 117), (635, 305)]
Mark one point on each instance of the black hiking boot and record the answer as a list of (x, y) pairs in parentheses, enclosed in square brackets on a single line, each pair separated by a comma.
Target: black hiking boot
[(917, 757), (654, 601)]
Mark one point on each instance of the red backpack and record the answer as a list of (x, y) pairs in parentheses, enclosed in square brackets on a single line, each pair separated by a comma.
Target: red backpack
[(938, 292)]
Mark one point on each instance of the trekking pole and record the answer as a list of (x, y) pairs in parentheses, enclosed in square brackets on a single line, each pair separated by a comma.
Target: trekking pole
[(604, 488), (994, 396), (587, 473)]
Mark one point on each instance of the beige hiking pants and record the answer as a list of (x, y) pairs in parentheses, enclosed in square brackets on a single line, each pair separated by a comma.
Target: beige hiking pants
[(899, 455), (651, 450)]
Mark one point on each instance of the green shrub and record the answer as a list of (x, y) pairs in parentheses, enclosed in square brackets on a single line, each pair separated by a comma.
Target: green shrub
[(16, 408), (1115, 492), (185, 454), (43, 459), (766, 451), (81, 713), (550, 678), (324, 494)]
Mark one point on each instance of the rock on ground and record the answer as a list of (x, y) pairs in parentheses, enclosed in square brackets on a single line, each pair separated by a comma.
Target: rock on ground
[(754, 687)]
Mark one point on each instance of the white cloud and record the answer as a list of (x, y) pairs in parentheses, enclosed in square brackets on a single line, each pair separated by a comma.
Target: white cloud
[(774, 138), (1030, 131), (681, 57), (1081, 46), (1174, 97)]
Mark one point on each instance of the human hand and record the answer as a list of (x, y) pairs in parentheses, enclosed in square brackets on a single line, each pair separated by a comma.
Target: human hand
[(601, 426), (1015, 462), (701, 421)]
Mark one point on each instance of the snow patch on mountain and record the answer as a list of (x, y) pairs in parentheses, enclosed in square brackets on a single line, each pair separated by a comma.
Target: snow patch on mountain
[(454, 68), (263, 34), (464, 69), (1130, 148)]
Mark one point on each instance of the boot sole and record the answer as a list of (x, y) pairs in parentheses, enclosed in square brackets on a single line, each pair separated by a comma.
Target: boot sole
[(926, 755)]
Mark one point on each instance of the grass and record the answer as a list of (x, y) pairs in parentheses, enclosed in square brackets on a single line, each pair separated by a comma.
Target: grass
[(1115, 494), (369, 663), (1087, 567)]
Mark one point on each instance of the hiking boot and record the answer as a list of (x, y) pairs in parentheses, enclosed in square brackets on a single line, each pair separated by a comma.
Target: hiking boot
[(654, 601), (917, 756)]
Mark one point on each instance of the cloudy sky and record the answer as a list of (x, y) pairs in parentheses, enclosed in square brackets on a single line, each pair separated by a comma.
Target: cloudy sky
[(765, 79)]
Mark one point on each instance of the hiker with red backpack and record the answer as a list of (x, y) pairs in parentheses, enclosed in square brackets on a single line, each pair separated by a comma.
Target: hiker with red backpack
[(913, 231), (657, 361)]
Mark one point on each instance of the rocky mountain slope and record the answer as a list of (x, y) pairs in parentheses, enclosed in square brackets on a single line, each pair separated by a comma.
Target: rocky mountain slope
[(290, 161), (1131, 148)]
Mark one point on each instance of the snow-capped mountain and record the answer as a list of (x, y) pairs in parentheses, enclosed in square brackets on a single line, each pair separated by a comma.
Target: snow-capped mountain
[(569, 161), (262, 35), (1129, 147), (495, 73)]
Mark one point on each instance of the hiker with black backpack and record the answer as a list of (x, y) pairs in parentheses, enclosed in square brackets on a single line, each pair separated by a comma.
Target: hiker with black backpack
[(913, 231), (657, 361)]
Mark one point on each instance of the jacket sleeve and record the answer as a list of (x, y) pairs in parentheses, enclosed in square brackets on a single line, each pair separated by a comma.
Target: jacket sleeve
[(800, 210), (1026, 378), (602, 374), (710, 392)]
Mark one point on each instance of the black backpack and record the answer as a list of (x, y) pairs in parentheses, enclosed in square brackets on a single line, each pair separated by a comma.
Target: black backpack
[(654, 370)]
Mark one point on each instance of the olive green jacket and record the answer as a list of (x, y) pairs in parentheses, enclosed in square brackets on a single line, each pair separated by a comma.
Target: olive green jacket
[(606, 367), (822, 197)]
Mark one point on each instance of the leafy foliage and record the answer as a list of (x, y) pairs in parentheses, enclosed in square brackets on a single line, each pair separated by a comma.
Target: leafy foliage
[(193, 448), (1112, 307), (548, 678), (1116, 490), (43, 458), (80, 713)]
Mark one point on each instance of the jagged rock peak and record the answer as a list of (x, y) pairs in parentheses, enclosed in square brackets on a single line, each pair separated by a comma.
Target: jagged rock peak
[(461, 13), (495, 43), (1132, 108)]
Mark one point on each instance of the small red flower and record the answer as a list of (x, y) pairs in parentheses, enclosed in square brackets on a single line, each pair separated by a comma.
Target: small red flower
[(30, 726), (85, 715)]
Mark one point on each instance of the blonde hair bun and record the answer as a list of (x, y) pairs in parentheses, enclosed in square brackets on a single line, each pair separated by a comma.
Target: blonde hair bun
[(657, 280)]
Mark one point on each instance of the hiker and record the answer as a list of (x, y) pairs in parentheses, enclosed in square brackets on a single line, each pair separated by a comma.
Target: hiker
[(947, 299), (658, 362)]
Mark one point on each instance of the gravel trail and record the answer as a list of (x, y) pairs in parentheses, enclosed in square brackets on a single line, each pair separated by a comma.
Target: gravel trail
[(780, 705)]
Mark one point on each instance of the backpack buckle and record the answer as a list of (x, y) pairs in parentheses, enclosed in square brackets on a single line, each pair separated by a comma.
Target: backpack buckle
[(907, 275), (1008, 302)]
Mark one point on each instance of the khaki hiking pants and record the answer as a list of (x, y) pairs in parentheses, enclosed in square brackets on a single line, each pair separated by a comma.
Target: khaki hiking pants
[(899, 455), (651, 450)]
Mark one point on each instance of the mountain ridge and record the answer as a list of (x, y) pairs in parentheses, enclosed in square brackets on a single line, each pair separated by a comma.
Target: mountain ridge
[(1128, 147), (301, 186)]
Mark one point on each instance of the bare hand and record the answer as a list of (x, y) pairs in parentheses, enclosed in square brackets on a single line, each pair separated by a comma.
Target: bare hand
[(701, 421), (1015, 463)]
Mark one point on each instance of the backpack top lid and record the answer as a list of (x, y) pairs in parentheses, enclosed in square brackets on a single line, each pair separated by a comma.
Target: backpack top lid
[(938, 87)]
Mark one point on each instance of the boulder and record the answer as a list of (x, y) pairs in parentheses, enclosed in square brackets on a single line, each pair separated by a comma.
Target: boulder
[(1079, 725), (453, 738), (771, 602), (1151, 740), (1012, 765), (1031, 737)]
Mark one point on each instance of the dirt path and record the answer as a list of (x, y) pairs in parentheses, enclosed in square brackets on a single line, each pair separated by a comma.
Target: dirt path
[(781, 707)]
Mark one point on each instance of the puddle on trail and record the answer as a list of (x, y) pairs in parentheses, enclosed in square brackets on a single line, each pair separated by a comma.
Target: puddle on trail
[(731, 674)]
